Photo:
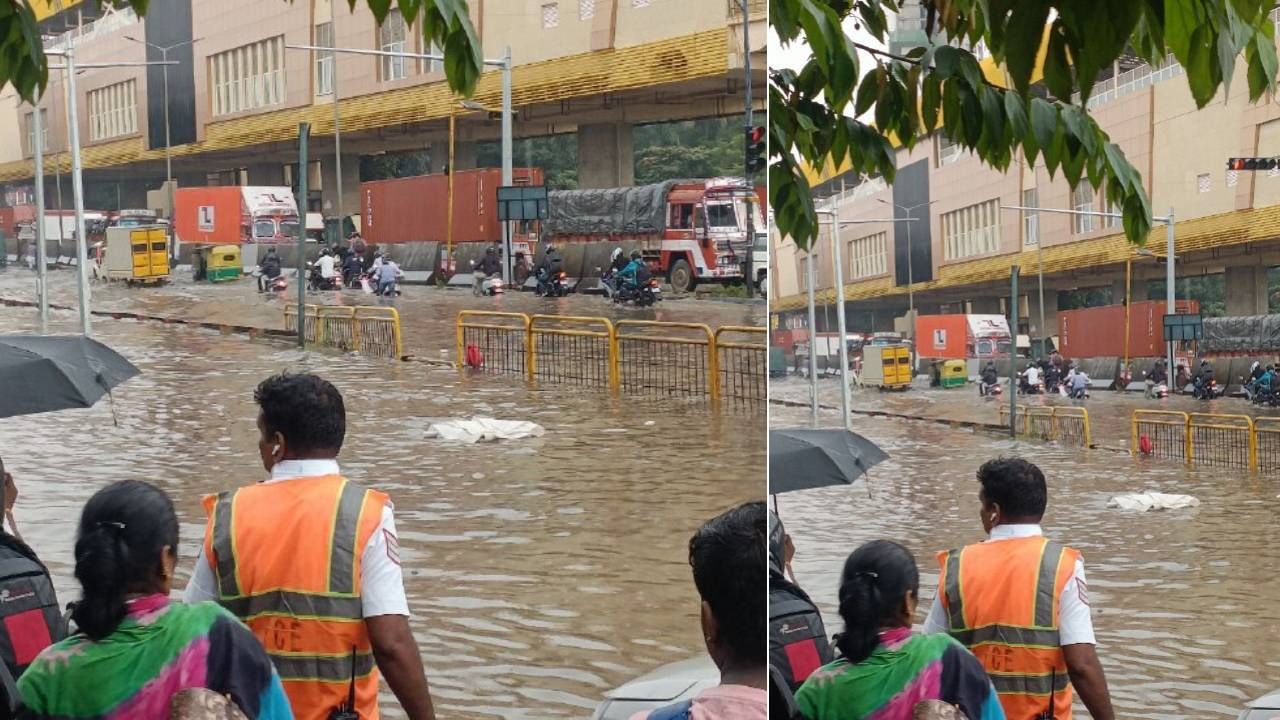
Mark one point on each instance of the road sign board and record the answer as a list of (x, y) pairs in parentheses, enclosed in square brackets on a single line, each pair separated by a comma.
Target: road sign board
[(522, 202)]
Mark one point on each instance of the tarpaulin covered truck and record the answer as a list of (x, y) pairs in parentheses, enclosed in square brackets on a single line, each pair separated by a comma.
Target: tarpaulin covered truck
[(689, 231), (245, 215)]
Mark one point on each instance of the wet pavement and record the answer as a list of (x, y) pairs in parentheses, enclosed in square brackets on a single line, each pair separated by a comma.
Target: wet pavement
[(540, 573), (1110, 412), (1184, 602), (426, 313)]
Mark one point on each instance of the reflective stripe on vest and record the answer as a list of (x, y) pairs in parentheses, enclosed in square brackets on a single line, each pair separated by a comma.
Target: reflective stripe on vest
[(228, 586), (284, 602), (336, 669), (1005, 609)]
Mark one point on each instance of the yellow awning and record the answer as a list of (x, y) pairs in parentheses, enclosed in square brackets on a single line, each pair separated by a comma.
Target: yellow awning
[(45, 9)]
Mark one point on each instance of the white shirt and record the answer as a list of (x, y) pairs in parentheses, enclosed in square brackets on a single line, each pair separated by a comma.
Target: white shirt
[(326, 266), (1075, 624), (382, 581), (1032, 374)]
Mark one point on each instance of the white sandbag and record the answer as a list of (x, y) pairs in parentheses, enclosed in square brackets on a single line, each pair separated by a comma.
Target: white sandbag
[(483, 429), (1142, 502)]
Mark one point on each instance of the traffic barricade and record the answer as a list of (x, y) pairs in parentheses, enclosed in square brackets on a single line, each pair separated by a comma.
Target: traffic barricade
[(1266, 443), (1072, 426), (666, 358), (377, 332), (1020, 419), (1223, 440), (1167, 432), (500, 341), (742, 362), (336, 327), (579, 350), (1039, 423)]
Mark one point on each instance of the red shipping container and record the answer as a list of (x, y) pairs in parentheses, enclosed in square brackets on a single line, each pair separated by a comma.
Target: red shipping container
[(415, 209), (1099, 331), (942, 336)]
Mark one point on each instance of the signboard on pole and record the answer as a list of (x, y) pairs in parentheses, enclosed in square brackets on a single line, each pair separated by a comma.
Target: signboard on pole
[(522, 202), (1178, 328)]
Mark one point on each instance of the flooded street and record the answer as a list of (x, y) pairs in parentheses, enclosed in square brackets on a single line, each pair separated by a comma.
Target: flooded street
[(540, 573), (1184, 602)]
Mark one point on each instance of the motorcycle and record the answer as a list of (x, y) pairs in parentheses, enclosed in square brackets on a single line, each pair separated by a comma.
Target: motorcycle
[(555, 286), (492, 286), (316, 281), (277, 284), (1207, 389), (1026, 388), (1158, 390), (1122, 382), (644, 295), (991, 390)]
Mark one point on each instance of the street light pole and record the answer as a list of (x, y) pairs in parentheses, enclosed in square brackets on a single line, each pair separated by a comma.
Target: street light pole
[(337, 127), (37, 156), (838, 267), (911, 281), (751, 215), (813, 338), (77, 192)]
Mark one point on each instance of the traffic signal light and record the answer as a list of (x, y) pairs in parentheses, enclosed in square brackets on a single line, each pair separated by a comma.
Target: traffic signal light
[(756, 150), (1253, 163)]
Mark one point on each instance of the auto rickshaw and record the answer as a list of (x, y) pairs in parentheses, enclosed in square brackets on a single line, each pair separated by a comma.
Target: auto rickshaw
[(955, 373), (218, 263)]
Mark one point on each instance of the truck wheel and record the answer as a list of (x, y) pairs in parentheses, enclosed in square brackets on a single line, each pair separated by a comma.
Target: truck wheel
[(681, 277)]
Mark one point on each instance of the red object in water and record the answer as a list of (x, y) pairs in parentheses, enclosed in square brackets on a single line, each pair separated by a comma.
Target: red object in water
[(1145, 446), (474, 358)]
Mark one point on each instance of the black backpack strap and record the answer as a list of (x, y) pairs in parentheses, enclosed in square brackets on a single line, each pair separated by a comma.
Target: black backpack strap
[(9, 698)]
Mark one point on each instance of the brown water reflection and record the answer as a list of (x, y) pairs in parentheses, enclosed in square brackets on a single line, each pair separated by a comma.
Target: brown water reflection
[(539, 573), (1185, 603)]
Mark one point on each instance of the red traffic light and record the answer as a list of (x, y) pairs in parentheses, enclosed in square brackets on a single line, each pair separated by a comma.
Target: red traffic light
[(755, 134)]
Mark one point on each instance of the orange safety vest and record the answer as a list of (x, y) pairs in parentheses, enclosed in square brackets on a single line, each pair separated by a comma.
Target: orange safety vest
[(287, 559), (1001, 600)]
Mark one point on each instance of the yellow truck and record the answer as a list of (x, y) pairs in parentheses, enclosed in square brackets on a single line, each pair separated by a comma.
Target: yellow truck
[(136, 255), (887, 367)]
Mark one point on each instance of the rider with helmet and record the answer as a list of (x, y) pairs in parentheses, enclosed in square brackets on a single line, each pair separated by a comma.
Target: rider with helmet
[(485, 269), (552, 265), (636, 272)]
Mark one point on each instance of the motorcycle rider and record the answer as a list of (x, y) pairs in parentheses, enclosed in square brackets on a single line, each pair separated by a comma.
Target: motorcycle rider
[(270, 268), (552, 265), (1052, 377), (351, 267), (1156, 376), (485, 269), (1079, 385), (326, 266), (989, 378), (1031, 379), (629, 276)]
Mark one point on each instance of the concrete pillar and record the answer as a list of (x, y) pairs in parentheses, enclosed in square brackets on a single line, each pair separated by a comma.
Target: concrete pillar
[(350, 185), (1246, 290), (606, 156)]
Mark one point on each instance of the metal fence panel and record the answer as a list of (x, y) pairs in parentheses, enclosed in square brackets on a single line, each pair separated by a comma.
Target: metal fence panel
[(742, 362), (1072, 424), (579, 350), (501, 338), (1266, 434), (1222, 440), (1040, 423), (1020, 420), (1167, 431), (377, 332), (666, 358)]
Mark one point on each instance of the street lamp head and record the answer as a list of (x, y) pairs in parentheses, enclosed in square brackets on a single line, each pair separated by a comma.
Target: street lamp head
[(471, 105)]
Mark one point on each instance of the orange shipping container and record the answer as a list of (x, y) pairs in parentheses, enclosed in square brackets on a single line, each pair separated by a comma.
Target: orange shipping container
[(415, 209), (1099, 331)]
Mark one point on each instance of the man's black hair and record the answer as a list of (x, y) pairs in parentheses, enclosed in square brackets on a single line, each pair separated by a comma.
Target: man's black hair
[(1016, 485), (728, 555), (306, 409)]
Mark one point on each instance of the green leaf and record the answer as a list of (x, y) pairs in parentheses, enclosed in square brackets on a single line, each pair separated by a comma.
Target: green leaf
[(970, 70), (946, 61), (1023, 35), (930, 101), (971, 110), (1081, 127), (993, 119), (1044, 122), (1016, 113), (1057, 69), (1181, 19), (1203, 73), (951, 118), (869, 90)]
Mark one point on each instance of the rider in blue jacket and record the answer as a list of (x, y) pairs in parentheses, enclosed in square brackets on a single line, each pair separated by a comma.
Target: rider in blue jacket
[(628, 277)]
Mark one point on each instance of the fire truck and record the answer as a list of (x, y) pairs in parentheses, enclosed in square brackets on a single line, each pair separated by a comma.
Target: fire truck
[(689, 231)]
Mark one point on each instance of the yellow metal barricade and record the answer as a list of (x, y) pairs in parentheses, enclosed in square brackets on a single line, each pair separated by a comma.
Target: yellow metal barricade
[(1020, 426), (336, 327), (742, 362), (502, 340), (667, 358), (310, 322), (1224, 440), (1040, 423), (1168, 432), (578, 350), (1266, 443), (1072, 426), (377, 332)]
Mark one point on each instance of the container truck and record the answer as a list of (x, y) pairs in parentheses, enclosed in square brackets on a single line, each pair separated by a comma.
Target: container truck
[(245, 215), (689, 231), (962, 337), (1099, 331)]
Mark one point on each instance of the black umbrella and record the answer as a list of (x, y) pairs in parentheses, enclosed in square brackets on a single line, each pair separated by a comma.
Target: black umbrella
[(40, 373), (802, 458)]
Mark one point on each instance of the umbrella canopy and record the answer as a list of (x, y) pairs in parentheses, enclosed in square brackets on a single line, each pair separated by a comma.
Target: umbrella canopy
[(802, 458), (41, 373)]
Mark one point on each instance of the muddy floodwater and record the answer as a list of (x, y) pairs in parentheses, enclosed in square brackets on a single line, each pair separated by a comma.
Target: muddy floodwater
[(540, 573), (1186, 604)]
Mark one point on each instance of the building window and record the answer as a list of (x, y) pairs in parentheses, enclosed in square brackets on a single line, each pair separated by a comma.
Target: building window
[(1202, 182), (113, 110), (1082, 201), (586, 9), (433, 66), (248, 77), (1031, 218), (869, 256), (1109, 221), (947, 151), (640, 3), (391, 38), (324, 60), (971, 231), (44, 131), (551, 15)]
